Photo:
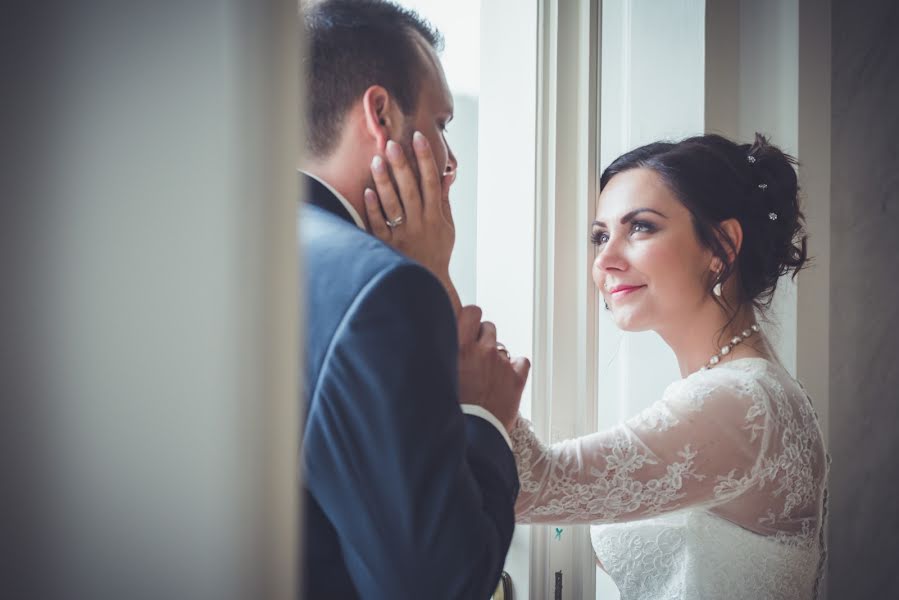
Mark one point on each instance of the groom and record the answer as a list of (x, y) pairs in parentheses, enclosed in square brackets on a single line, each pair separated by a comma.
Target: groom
[(409, 479)]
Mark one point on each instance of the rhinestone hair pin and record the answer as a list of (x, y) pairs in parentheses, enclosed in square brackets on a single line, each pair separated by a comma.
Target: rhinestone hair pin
[(762, 186)]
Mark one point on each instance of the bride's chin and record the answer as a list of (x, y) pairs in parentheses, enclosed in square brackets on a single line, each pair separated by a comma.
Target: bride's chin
[(629, 323)]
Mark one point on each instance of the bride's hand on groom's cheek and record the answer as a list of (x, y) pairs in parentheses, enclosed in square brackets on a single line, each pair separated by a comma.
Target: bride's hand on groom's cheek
[(487, 377), (413, 216)]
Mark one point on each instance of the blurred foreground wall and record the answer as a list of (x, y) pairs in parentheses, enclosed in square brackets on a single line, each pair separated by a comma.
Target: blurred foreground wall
[(148, 343), (864, 522)]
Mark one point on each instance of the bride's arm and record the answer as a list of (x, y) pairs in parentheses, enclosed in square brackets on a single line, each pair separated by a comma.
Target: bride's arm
[(681, 452), (453, 294)]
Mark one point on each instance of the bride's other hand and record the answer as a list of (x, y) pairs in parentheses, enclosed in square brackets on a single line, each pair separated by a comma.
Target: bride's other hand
[(419, 220), (488, 377)]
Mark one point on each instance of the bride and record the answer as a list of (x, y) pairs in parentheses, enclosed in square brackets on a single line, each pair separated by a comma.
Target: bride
[(718, 490)]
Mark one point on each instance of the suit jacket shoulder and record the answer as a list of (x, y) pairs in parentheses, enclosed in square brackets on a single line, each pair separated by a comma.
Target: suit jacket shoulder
[(342, 263)]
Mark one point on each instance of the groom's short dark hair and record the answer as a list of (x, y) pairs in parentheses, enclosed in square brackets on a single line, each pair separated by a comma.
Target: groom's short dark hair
[(354, 44)]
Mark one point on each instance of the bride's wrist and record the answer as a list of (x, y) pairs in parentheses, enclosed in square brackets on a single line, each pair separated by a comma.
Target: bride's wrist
[(451, 292)]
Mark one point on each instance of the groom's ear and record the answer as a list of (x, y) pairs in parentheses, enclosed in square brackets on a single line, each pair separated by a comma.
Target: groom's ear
[(379, 108)]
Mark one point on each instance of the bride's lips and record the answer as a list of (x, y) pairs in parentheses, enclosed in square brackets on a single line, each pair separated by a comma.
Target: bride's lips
[(620, 291)]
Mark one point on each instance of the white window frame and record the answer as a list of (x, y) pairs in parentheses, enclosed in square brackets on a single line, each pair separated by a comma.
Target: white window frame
[(506, 201), (565, 300)]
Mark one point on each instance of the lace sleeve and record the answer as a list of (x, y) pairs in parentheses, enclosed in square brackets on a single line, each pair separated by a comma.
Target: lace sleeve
[(701, 444)]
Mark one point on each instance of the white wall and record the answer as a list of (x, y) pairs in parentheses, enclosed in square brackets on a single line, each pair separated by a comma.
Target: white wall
[(753, 86)]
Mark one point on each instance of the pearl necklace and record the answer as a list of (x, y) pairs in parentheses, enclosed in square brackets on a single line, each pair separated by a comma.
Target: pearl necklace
[(725, 349)]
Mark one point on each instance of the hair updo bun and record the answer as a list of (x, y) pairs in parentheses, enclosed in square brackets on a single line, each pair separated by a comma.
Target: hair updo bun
[(717, 179), (779, 246)]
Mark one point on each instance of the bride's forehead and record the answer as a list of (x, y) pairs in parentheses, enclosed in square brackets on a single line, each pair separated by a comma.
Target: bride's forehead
[(630, 189)]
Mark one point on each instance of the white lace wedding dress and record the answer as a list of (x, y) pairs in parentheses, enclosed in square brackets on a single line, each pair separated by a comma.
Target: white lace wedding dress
[(715, 491)]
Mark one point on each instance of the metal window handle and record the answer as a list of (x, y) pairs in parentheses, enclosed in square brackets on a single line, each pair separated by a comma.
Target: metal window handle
[(504, 588)]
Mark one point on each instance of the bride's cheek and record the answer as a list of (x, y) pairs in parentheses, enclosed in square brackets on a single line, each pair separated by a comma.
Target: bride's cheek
[(596, 274)]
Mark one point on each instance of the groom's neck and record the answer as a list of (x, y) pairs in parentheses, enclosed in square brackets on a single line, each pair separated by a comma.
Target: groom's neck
[(348, 180)]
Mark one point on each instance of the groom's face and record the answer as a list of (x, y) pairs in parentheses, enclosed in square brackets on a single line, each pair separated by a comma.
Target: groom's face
[(432, 113)]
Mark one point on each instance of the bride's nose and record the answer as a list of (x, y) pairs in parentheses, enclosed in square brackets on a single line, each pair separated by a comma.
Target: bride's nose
[(610, 257)]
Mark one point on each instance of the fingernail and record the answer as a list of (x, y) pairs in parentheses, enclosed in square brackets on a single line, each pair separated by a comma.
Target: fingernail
[(419, 141), (393, 150), (377, 163), (369, 196)]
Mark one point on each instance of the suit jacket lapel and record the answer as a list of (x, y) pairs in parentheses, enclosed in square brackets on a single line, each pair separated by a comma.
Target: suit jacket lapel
[(320, 196)]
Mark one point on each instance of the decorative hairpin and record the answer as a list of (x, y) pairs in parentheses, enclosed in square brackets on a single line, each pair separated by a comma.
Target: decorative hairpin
[(762, 186)]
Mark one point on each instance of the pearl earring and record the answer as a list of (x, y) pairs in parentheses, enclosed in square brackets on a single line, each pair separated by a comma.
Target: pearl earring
[(717, 289)]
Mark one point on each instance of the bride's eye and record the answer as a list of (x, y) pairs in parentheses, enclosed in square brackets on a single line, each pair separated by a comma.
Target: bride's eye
[(642, 227), (599, 237)]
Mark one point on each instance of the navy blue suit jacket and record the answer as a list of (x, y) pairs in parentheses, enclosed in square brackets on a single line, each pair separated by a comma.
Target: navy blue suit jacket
[(405, 496)]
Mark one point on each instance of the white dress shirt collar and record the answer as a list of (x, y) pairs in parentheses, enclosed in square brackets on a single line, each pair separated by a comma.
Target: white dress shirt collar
[(346, 203)]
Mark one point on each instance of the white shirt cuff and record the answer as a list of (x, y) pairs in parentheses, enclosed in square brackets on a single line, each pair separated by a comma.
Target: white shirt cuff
[(480, 411)]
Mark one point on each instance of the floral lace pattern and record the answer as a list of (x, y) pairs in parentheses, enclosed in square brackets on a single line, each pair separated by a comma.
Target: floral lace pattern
[(737, 449), (656, 549)]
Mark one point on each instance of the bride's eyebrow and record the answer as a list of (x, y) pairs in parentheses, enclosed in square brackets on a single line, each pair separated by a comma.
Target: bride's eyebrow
[(630, 216)]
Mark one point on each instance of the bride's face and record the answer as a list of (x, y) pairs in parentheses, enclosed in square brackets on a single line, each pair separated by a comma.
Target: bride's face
[(650, 267)]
